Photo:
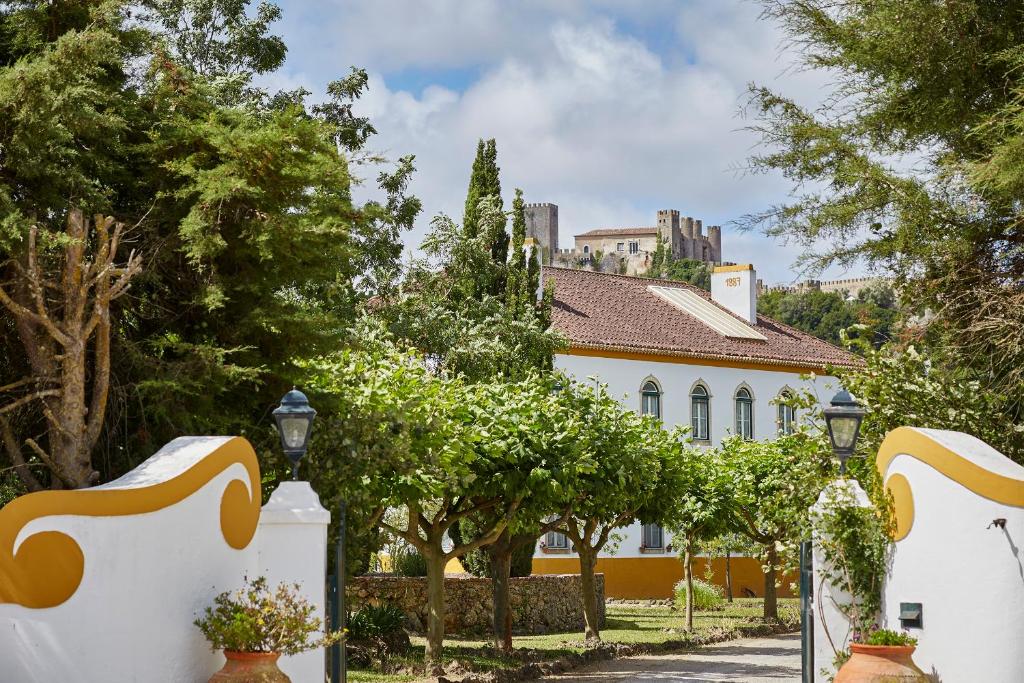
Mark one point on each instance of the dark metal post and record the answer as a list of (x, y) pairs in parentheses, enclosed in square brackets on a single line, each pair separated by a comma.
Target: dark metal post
[(806, 612), (339, 670)]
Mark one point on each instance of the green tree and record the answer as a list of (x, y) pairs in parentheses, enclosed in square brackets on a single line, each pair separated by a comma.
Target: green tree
[(239, 204), (633, 470), (665, 265), (553, 438), (914, 166), (827, 314), (471, 311), (774, 483), (902, 386), (702, 511), (441, 450), (725, 546)]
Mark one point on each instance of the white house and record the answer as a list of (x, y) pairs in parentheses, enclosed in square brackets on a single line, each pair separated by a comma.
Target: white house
[(692, 358)]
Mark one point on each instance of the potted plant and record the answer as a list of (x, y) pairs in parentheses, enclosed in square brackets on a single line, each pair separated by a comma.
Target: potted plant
[(255, 625), (881, 655)]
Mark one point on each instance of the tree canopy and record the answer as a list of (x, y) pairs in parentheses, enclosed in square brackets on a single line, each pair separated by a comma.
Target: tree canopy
[(237, 200), (913, 166)]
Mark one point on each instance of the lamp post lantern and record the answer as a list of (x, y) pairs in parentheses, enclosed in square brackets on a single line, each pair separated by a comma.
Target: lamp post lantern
[(294, 419), (843, 418)]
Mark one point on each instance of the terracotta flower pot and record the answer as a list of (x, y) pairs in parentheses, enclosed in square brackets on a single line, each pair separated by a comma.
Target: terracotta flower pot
[(250, 667), (880, 664)]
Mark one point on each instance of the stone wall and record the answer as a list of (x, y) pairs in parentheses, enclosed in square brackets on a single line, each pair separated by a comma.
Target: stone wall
[(540, 604)]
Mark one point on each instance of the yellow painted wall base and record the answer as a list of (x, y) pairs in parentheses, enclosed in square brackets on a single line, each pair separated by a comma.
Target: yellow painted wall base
[(653, 578)]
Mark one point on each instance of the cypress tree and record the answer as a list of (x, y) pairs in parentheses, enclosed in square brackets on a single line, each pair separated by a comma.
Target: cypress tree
[(517, 280), (499, 244), (476, 192)]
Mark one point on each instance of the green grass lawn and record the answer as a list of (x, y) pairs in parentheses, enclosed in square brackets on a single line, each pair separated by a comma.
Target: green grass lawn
[(625, 624)]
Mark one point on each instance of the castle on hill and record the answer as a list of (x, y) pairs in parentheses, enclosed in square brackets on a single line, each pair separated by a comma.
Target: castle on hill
[(625, 250)]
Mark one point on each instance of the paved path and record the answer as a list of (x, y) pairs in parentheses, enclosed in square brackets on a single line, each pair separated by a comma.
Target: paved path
[(751, 660)]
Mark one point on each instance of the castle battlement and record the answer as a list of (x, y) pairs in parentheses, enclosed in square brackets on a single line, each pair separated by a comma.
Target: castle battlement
[(683, 236)]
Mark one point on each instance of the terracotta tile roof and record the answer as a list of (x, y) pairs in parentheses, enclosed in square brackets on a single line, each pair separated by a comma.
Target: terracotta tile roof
[(619, 232), (616, 313)]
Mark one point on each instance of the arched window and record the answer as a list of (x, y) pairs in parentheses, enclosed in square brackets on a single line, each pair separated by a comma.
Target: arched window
[(700, 414), (586, 248), (744, 414), (787, 414), (650, 399)]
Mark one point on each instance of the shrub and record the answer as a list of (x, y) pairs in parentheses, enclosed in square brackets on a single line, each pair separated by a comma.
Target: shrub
[(256, 619), (409, 562), (887, 637), (375, 621), (376, 635), (705, 595)]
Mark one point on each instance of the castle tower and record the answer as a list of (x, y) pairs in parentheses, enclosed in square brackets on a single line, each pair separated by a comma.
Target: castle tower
[(715, 238), (668, 228), (542, 225)]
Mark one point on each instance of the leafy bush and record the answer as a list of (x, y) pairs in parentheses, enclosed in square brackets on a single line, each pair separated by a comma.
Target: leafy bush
[(409, 562), (375, 621), (705, 595), (886, 637), (256, 619), (376, 635)]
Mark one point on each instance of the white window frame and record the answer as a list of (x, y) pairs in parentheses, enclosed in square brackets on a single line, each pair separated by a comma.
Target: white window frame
[(786, 415), (649, 530), (556, 540), (743, 401), (696, 399), (650, 389), (620, 246)]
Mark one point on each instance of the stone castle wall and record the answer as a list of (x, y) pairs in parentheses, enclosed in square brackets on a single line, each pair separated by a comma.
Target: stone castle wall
[(540, 604)]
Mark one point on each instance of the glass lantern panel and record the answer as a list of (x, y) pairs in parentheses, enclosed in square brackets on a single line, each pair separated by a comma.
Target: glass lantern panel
[(293, 431), (844, 429)]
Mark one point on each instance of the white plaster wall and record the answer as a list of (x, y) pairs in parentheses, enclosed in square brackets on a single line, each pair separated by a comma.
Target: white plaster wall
[(146, 578), (624, 378), (968, 577), (626, 543)]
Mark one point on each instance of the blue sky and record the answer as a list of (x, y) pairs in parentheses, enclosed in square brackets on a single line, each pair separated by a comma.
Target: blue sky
[(611, 109)]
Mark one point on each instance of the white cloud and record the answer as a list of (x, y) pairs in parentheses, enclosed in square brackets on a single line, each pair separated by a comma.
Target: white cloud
[(586, 115)]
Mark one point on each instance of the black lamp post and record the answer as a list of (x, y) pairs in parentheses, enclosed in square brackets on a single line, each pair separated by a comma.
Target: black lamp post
[(843, 419), (294, 419)]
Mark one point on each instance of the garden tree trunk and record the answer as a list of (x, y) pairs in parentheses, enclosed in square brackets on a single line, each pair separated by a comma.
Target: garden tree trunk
[(771, 602), (61, 316), (501, 572), (435, 560), (591, 610), (728, 577), (688, 573)]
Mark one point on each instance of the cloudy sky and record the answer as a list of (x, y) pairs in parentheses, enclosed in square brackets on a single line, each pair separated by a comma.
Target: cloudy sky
[(611, 109)]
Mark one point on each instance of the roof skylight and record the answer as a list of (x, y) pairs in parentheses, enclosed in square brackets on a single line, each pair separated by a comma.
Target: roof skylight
[(706, 312)]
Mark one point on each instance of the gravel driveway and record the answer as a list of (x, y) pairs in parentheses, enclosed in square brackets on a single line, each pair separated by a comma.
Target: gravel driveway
[(751, 660)]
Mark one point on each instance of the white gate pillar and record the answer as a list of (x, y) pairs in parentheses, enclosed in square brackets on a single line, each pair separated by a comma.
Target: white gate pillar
[(832, 629), (293, 549)]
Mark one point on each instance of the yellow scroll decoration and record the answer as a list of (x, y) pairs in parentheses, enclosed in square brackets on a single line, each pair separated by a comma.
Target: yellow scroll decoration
[(920, 446), (48, 566)]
